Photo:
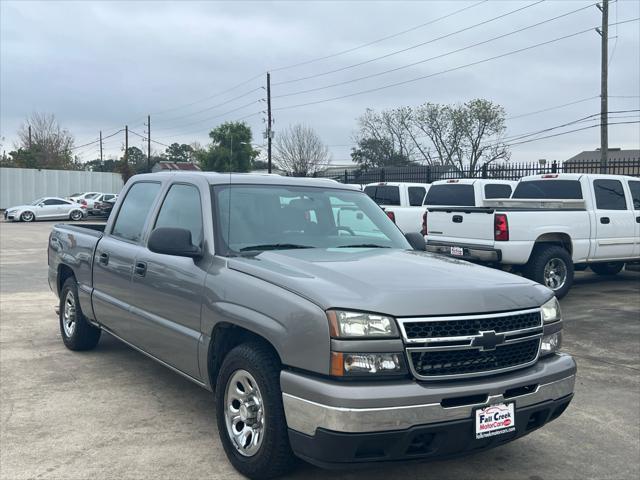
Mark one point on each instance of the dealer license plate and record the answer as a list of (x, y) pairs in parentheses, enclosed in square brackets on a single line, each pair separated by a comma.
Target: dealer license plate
[(497, 419), (457, 251)]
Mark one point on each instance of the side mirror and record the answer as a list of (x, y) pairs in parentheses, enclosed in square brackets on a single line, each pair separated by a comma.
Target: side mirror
[(173, 241), (416, 240), (40, 205)]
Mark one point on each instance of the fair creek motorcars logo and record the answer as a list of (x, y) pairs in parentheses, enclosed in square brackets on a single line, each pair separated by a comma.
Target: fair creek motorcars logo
[(495, 420)]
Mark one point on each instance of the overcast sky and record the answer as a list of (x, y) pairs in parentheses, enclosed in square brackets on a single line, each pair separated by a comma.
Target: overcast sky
[(101, 65)]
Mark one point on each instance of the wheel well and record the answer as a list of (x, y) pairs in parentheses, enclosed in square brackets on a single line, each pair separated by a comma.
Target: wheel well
[(561, 239), (64, 272), (224, 338)]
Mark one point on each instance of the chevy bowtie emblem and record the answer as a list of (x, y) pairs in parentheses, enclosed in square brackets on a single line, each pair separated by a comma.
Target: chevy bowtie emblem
[(487, 340)]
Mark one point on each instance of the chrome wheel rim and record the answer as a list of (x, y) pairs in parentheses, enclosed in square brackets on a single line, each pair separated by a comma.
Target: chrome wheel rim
[(69, 314), (555, 273), (76, 216), (244, 413), (27, 216)]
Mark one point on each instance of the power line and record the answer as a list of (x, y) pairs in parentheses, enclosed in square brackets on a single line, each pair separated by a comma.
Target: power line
[(209, 119), (382, 39), (406, 49), (597, 125), (402, 67), (147, 138), (96, 141), (422, 77), (211, 107), (556, 107)]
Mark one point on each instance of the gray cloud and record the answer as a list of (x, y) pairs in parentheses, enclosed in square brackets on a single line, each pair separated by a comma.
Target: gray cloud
[(99, 65)]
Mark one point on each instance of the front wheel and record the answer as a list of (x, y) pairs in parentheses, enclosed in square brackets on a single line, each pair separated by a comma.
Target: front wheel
[(609, 268), (551, 266), (251, 421), (27, 217)]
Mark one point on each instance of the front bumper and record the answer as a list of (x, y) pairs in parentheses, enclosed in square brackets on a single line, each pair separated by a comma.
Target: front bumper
[(478, 253), (358, 413), (441, 440)]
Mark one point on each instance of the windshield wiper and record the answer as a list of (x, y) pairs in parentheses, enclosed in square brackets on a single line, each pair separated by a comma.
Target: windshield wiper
[(363, 245), (275, 246)]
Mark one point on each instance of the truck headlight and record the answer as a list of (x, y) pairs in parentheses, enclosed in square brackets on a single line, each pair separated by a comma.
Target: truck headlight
[(551, 343), (551, 311), (359, 364), (345, 324)]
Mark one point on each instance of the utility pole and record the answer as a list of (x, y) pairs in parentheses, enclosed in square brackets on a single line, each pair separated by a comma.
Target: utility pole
[(604, 109), (148, 143), (269, 134), (29, 137), (101, 147), (126, 145)]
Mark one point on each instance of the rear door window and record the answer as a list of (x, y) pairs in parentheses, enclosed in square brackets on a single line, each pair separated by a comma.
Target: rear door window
[(384, 194), (634, 186), (416, 196), (549, 189), (135, 210), (455, 195), (609, 195), (497, 191)]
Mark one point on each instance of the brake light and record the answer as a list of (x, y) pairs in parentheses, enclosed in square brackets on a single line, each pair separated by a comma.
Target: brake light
[(424, 224), (452, 181), (550, 175), (500, 227), (83, 202), (391, 215)]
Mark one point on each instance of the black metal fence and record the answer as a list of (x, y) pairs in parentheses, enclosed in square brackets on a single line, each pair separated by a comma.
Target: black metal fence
[(506, 171)]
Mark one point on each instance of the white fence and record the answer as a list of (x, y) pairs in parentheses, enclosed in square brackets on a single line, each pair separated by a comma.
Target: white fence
[(23, 185)]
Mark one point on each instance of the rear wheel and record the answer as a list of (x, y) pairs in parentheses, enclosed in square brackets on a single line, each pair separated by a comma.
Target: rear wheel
[(27, 217), (609, 268), (251, 421), (76, 215), (551, 266), (77, 333)]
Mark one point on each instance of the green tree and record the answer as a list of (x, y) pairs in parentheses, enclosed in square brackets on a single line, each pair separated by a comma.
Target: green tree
[(230, 149), (179, 153), (373, 152), (96, 165)]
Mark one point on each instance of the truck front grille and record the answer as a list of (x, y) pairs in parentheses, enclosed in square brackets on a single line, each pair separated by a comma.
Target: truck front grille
[(461, 362), (442, 348), (471, 326)]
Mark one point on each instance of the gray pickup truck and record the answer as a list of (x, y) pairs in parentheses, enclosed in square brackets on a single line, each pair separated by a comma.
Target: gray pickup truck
[(324, 332)]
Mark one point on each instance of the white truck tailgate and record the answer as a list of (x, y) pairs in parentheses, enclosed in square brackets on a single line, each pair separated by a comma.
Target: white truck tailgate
[(472, 226)]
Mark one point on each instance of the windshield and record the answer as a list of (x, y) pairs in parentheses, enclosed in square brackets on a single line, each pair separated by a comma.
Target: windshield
[(36, 202), (274, 217), (89, 196)]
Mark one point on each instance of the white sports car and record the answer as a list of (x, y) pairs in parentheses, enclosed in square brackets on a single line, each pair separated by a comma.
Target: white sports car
[(46, 208)]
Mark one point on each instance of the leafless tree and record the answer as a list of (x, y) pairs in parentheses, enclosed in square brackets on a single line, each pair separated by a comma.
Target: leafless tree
[(463, 136), (391, 127), (299, 151), (42, 136)]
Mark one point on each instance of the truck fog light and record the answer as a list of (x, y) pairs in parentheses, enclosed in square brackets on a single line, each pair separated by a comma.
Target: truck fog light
[(551, 343), (353, 364)]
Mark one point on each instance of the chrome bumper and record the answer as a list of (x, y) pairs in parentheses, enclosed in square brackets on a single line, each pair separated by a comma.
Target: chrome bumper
[(470, 252), (306, 416)]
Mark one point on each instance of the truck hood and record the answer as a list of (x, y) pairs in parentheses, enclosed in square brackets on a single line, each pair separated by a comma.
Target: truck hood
[(395, 282)]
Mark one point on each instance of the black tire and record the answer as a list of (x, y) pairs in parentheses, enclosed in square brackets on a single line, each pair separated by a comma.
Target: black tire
[(274, 456), (540, 258), (27, 217), (609, 268), (76, 215), (83, 335)]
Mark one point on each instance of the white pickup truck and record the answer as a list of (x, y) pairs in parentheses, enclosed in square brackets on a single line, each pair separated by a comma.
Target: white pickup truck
[(553, 224), (401, 201), (405, 203)]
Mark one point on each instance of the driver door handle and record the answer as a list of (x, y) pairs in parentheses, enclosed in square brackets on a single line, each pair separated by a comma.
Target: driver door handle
[(605, 220)]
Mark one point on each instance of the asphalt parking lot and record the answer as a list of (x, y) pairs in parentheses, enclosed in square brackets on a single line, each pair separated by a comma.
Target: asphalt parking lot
[(113, 413)]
